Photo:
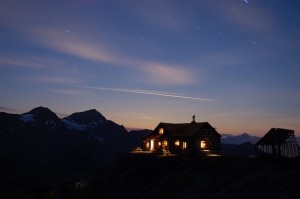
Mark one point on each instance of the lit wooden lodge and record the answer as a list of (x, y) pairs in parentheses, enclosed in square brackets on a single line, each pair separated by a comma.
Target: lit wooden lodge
[(182, 138)]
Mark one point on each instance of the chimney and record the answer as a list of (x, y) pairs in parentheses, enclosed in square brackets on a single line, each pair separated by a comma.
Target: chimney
[(194, 119)]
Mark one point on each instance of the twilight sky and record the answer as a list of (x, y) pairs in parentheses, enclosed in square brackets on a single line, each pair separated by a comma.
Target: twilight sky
[(233, 63)]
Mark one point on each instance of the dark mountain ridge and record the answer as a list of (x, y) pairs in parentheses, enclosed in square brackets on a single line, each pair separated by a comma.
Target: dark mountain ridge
[(238, 139), (86, 117), (42, 114), (38, 146)]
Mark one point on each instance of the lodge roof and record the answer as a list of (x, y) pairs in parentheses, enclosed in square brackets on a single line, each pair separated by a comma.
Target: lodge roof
[(275, 136), (184, 129)]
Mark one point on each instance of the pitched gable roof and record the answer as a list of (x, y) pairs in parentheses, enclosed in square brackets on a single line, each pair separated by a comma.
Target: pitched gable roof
[(183, 129), (275, 136)]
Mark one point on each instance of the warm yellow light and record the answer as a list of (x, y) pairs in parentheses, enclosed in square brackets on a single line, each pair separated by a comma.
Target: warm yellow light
[(214, 155), (177, 143), (203, 144), (184, 145), (152, 145), (147, 144), (165, 143), (161, 131), (159, 143)]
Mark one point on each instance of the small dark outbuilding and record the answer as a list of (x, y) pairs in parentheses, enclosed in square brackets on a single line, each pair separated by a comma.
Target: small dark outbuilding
[(278, 143)]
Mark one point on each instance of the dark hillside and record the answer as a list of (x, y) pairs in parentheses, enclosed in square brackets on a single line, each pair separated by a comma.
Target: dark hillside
[(137, 136), (244, 149), (147, 176), (37, 147), (196, 177)]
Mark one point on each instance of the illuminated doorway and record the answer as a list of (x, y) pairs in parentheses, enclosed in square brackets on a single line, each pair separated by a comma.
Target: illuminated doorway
[(152, 145)]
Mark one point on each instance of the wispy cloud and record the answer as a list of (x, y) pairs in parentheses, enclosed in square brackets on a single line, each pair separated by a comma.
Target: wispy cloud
[(250, 15), (55, 79), (10, 110), (148, 92), (69, 91), (153, 72), (166, 74), (46, 69), (234, 57), (59, 40), (34, 62), (93, 47), (26, 61)]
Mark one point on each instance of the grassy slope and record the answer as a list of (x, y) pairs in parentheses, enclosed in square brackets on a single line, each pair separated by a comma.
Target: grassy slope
[(194, 177), (146, 176)]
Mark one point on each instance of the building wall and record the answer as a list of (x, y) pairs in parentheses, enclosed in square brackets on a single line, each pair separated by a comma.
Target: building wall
[(183, 144)]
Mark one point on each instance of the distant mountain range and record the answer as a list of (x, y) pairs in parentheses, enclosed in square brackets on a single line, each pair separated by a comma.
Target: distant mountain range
[(240, 145), (242, 138), (239, 139), (38, 145)]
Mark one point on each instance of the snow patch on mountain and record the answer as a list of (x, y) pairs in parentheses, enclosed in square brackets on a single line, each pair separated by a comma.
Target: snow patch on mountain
[(72, 125), (27, 118)]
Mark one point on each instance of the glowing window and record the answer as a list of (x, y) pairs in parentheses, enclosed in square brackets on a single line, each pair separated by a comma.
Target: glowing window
[(184, 145), (159, 143), (165, 143), (203, 144), (161, 131), (177, 143), (147, 144)]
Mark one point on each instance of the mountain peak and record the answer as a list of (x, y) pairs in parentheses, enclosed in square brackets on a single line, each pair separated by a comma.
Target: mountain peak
[(43, 113), (39, 109), (93, 111), (244, 135), (86, 117)]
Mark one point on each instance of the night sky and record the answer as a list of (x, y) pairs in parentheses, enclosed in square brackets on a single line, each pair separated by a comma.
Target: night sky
[(233, 63)]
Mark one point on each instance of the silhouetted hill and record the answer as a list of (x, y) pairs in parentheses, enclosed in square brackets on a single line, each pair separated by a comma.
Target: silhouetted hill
[(195, 177), (244, 149), (149, 176), (86, 117), (37, 146), (238, 139), (40, 114), (7, 121), (138, 135)]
